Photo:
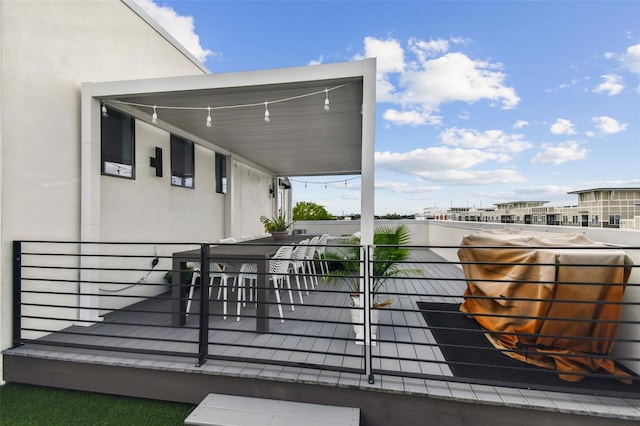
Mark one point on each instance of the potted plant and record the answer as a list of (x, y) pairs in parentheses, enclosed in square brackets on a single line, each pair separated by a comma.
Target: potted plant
[(277, 226), (388, 254)]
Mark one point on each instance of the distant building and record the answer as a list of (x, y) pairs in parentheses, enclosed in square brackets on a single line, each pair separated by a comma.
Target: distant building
[(598, 207)]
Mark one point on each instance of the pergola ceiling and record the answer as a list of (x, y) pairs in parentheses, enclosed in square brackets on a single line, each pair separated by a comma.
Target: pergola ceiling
[(301, 139)]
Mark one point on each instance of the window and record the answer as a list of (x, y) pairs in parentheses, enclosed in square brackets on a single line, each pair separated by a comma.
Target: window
[(614, 219), (594, 219), (221, 173), (117, 145), (182, 162)]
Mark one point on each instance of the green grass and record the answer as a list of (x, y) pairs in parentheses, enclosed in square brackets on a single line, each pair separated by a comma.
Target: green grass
[(33, 405)]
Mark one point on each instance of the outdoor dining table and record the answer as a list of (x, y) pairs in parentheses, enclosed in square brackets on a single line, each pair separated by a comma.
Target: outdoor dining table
[(257, 251)]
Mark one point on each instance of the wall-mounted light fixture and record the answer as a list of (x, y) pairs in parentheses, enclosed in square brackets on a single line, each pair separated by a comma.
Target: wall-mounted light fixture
[(272, 189), (156, 161)]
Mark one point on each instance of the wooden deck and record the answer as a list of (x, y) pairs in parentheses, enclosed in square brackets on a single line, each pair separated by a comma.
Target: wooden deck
[(301, 360)]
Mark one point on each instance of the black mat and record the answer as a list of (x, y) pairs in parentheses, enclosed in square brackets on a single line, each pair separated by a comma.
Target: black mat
[(472, 356)]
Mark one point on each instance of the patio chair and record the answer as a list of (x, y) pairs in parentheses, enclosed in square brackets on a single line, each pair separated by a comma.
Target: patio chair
[(320, 250), (215, 271), (296, 265), (278, 274), (310, 262)]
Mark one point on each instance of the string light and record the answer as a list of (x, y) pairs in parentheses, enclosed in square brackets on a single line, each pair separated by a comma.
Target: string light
[(325, 183), (208, 124), (105, 114), (267, 118), (266, 113)]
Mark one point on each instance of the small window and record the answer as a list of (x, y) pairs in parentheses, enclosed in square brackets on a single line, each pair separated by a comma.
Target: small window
[(221, 173), (182, 162), (117, 145)]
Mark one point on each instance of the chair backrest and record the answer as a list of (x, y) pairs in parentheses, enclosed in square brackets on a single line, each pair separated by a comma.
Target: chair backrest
[(311, 251), (322, 244), (299, 253), (279, 263)]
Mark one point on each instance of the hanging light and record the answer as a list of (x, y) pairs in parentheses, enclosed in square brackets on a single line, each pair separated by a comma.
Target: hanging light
[(266, 113), (326, 99), (209, 117), (154, 117), (105, 114)]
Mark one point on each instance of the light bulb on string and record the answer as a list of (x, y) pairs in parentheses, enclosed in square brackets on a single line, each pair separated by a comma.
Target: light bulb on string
[(266, 113), (154, 117), (209, 117), (326, 100), (105, 114)]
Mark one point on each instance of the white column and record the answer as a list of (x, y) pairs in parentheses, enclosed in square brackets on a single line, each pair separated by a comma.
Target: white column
[(89, 207)]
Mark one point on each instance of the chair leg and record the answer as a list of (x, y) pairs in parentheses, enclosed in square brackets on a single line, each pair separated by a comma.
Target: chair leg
[(299, 288), (277, 292), (193, 286), (286, 277)]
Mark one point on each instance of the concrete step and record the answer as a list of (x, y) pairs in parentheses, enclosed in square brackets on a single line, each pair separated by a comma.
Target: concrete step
[(231, 410)]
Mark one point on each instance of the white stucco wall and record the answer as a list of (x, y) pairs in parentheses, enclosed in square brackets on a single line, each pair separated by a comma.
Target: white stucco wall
[(251, 200), (48, 49)]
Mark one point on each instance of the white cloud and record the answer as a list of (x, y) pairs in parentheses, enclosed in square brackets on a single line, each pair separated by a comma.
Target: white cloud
[(562, 153), (413, 118), (520, 124), (318, 61), (474, 177), (406, 188), (389, 54), (427, 49), (447, 165), (631, 59), (612, 85), (607, 125), (490, 140), (456, 77), (180, 27), (435, 76), (563, 127)]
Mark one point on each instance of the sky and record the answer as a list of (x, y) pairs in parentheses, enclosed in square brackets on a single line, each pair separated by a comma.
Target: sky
[(478, 102)]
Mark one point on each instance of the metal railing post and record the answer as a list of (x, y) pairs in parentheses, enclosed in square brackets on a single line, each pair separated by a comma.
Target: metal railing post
[(17, 293), (203, 341), (368, 353)]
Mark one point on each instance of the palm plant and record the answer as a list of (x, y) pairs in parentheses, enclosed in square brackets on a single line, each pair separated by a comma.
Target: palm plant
[(389, 253), (275, 224)]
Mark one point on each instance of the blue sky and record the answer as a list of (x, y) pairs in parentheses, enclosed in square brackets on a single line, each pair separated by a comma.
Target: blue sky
[(477, 102)]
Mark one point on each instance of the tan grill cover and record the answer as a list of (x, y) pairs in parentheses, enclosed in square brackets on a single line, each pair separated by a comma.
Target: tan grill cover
[(546, 277)]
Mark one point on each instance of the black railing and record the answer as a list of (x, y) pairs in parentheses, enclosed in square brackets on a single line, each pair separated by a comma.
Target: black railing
[(126, 296)]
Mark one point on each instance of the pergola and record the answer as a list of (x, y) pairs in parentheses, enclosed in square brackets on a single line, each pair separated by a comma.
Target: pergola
[(301, 138)]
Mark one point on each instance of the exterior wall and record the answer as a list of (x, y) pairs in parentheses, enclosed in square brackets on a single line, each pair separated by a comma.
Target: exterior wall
[(48, 49), (251, 199)]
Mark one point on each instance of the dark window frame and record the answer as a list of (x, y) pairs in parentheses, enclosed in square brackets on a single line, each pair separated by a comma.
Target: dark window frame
[(221, 173), (113, 161), (183, 167)]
